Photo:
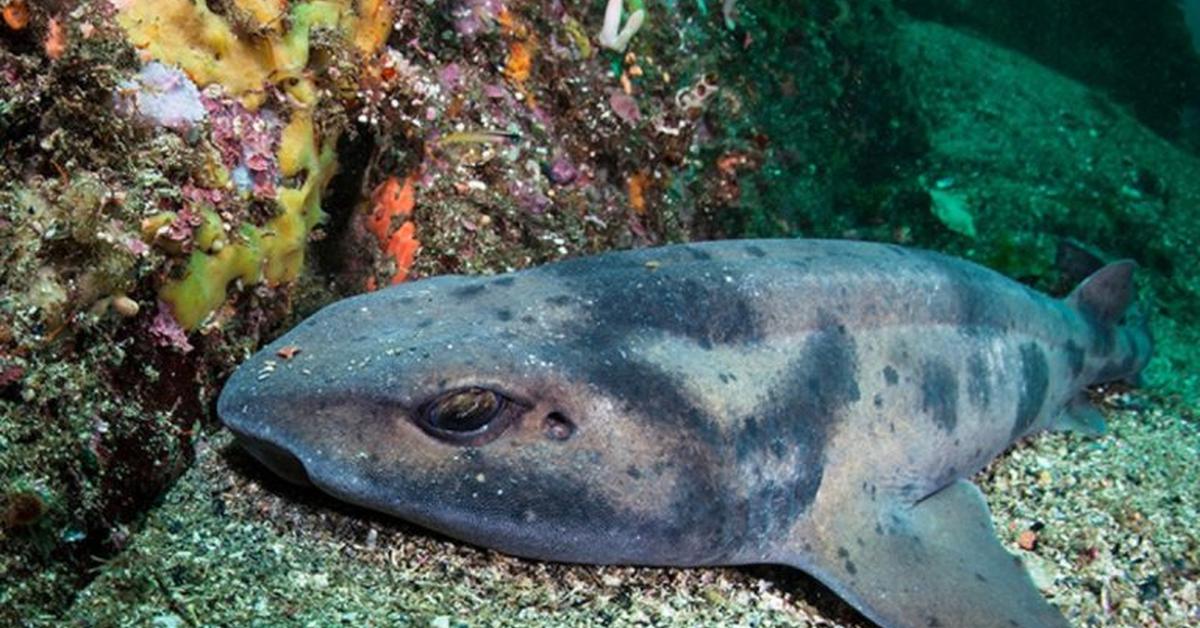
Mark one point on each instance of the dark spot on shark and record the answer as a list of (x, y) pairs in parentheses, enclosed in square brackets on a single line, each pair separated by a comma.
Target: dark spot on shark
[(878, 401), (1035, 382), (756, 251), (878, 529), (979, 391), (467, 292), (1075, 355), (403, 301), (980, 577), (425, 322), (939, 394), (503, 281), (560, 300), (528, 319), (844, 554), (698, 254), (933, 622), (633, 472), (504, 314), (723, 377), (890, 376)]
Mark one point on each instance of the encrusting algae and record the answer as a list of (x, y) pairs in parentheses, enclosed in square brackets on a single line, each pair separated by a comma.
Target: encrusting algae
[(262, 45)]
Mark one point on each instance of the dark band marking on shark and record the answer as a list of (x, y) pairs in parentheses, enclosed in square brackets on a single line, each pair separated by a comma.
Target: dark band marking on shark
[(813, 403), (798, 419), (615, 311), (1035, 383), (939, 394), (466, 292), (978, 390)]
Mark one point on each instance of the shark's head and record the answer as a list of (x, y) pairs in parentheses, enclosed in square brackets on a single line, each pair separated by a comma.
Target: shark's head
[(478, 407)]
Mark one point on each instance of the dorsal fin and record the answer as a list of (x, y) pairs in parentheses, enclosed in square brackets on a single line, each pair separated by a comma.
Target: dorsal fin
[(1075, 261), (1106, 293)]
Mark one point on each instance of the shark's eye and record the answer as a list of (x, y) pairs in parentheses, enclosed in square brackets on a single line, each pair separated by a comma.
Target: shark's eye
[(469, 416)]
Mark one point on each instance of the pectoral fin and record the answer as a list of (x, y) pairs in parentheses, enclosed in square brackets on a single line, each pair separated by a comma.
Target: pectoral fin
[(1081, 417), (935, 563)]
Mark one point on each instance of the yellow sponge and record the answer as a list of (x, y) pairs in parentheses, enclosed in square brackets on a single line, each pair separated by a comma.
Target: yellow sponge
[(270, 46)]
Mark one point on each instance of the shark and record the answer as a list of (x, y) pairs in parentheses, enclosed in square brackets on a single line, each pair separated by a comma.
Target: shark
[(812, 403)]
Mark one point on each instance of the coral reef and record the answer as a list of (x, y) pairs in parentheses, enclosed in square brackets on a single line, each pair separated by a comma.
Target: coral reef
[(131, 194), (263, 60)]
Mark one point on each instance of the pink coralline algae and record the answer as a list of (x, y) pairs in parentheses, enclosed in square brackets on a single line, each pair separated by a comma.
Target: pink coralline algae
[(166, 330), (562, 172), (248, 143), (163, 96), (181, 228), (528, 197), (450, 77), (197, 196), (624, 106), (476, 16)]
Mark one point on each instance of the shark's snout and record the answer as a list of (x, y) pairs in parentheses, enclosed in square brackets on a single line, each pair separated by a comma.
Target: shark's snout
[(234, 412)]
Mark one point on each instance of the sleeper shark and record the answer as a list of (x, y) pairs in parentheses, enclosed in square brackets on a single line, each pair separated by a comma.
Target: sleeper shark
[(819, 404)]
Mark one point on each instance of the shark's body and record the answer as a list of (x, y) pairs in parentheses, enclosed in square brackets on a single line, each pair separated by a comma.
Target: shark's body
[(813, 403)]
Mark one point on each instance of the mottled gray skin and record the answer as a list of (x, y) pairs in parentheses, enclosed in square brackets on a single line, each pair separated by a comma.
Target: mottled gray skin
[(788, 401)]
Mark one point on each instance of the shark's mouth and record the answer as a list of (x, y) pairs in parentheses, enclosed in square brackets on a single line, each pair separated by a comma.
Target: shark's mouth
[(279, 460)]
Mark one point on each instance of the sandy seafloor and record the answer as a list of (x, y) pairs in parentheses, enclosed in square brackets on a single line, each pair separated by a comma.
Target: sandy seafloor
[(1115, 521), (1117, 545)]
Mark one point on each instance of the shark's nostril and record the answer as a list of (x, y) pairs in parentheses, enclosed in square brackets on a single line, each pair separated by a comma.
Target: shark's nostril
[(558, 427)]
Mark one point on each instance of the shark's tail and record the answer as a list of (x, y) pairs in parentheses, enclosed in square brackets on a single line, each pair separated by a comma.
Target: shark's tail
[(1120, 332)]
